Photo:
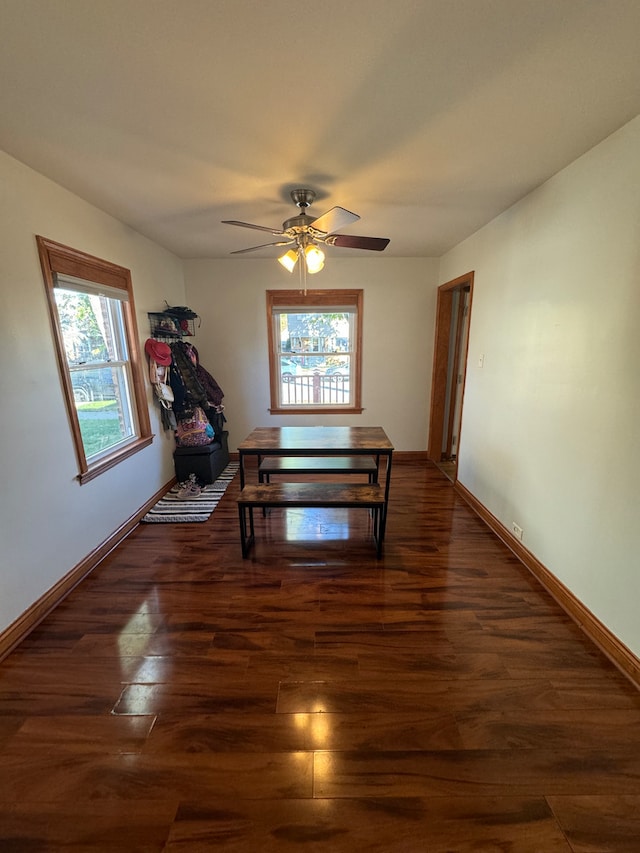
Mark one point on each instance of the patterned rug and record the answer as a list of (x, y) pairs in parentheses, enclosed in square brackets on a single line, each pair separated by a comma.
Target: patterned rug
[(171, 509)]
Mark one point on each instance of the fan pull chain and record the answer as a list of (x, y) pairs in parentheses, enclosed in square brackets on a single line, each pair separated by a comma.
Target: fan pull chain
[(303, 270)]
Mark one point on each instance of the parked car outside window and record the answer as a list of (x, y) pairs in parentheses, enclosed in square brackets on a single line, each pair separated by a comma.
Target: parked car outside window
[(289, 368)]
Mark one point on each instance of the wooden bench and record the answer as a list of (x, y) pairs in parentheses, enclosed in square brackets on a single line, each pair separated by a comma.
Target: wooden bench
[(318, 465), (355, 495)]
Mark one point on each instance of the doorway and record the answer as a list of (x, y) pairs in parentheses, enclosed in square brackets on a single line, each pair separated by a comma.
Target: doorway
[(453, 316)]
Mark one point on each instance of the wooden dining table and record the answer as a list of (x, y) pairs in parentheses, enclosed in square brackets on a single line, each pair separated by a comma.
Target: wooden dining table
[(321, 441)]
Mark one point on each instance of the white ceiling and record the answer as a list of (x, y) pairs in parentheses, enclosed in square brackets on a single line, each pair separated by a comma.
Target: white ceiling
[(426, 117)]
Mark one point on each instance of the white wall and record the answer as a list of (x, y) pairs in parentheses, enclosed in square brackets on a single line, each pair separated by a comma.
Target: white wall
[(48, 522), (399, 311), (550, 427)]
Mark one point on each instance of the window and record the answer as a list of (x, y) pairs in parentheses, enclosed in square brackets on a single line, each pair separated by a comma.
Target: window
[(93, 319), (315, 346)]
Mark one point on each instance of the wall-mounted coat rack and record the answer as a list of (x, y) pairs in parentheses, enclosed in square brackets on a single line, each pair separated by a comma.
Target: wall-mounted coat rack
[(173, 323)]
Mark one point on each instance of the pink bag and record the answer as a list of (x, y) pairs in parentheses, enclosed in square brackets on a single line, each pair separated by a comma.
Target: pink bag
[(195, 430)]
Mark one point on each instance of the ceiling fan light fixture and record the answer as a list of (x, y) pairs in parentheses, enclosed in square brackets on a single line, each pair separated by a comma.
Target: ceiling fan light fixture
[(289, 260), (314, 258), (305, 233)]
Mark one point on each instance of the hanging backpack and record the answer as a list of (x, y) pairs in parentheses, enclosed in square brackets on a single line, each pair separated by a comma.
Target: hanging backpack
[(194, 429)]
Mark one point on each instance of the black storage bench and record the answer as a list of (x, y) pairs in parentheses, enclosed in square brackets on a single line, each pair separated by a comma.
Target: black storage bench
[(206, 462)]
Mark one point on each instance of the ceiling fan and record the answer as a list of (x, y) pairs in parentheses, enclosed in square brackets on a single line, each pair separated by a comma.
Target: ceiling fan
[(304, 233)]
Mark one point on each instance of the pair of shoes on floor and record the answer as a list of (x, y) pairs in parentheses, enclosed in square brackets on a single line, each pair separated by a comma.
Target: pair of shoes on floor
[(189, 489)]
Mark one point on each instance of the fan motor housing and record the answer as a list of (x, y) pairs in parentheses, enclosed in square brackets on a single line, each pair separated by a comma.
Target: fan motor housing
[(297, 224)]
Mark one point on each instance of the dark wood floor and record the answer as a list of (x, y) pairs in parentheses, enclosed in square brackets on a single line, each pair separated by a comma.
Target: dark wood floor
[(313, 698)]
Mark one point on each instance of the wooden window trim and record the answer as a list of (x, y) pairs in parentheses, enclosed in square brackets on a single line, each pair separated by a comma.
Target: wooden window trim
[(57, 259), (315, 299)]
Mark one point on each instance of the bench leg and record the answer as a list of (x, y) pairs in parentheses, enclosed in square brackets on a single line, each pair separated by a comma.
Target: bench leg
[(263, 478), (378, 532), (246, 538)]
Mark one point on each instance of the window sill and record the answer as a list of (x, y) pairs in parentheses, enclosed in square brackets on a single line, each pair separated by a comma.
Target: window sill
[(110, 461), (317, 410)]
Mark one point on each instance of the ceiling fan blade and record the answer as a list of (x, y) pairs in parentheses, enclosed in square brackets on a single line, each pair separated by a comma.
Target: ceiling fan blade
[(276, 231), (333, 219), (352, 241), (264, 246)]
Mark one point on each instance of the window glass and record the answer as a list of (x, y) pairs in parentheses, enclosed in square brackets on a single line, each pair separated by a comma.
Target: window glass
[(95, 347), (96, 343), (315, 350)]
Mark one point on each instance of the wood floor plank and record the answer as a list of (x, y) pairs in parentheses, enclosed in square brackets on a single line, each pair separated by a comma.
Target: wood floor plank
[(486, 772), (531, 728), (365, 732), (240, 696), (66, 777), (459, 695), (606, 823), (463, 825), (90, 827), (166, 643), (96, 734), (315, 698)]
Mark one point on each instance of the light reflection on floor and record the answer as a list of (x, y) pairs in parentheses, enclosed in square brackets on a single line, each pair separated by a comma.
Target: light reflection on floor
[(317, 727), (133, 639), (306, 525)]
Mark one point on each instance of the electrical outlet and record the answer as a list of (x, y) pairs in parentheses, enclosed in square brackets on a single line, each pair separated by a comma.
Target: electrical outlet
[(517, 530)]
